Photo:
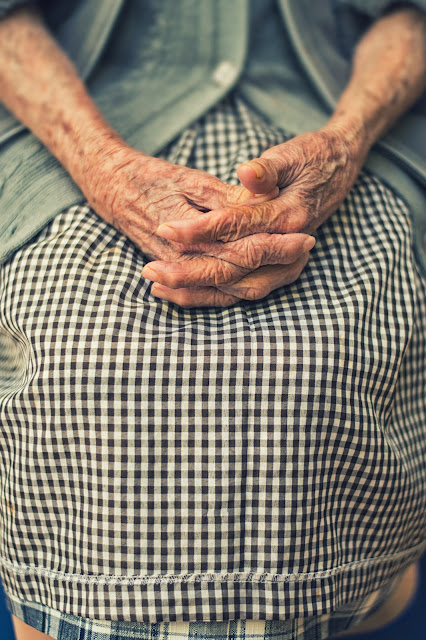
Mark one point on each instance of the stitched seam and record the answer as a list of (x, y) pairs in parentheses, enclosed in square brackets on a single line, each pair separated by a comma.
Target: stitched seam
[(211, 577)]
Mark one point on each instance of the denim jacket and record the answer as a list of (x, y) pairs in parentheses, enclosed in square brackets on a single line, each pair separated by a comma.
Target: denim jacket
[(201, 48)]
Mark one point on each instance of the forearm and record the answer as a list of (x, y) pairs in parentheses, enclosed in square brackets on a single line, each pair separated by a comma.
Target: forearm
[(39, 84), (388, 76)]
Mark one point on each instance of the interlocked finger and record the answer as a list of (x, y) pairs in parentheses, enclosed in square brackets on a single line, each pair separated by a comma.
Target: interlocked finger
[(255, 286), (288, 213), (262, 249), (225, 224), (195, 297), (231, 261), (261, 282), (203, 271)]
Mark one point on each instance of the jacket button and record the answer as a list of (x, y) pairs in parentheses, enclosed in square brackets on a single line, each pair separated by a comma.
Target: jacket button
[(224, 74)]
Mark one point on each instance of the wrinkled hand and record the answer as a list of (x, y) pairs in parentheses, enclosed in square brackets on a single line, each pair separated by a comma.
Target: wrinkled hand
[(135, 193), (313, 171)]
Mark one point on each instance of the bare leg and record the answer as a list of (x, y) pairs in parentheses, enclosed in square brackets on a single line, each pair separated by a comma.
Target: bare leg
[(24, 632), (393, 607)]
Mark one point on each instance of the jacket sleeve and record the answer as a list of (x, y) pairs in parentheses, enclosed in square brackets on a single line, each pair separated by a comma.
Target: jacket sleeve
[(8, 5), (376, 8)]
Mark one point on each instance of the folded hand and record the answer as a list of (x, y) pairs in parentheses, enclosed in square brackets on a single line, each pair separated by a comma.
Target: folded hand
[(135, 193), (313, 171)]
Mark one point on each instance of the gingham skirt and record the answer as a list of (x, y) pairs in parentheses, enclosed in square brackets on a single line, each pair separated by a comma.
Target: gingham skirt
[(260, 464)]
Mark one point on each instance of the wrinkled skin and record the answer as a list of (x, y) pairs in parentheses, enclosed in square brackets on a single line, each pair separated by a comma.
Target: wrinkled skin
[(231, 245), (313, 171), (144, 192)]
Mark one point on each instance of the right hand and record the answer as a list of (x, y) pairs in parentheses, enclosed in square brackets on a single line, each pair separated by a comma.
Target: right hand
[(136, 193)]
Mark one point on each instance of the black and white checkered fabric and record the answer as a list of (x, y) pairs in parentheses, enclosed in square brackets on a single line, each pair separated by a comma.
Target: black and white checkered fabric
[(63, 626), (264, 461)]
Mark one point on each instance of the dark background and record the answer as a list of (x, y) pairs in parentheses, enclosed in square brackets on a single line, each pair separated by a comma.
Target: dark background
[(409, 626)]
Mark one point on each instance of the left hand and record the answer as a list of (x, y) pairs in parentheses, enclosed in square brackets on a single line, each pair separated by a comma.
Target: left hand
[(314, 172)]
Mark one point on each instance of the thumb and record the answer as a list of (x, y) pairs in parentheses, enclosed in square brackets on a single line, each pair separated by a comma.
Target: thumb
[(275, 168), (259, 175), (237, 195)]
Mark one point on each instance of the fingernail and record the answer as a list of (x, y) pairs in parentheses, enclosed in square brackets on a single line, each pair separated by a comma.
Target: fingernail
[(149, 273), (258, 169), (164, 231), (309, 243), (160, 292)]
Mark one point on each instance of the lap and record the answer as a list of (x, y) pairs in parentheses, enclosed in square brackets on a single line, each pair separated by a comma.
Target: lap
[(295, 420)]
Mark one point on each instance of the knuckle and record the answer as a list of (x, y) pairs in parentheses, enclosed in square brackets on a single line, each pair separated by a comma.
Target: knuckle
[(228, 228), (220, 272), (276, 249), (267, 215), (254, 252), (235, 224), (175, 280)]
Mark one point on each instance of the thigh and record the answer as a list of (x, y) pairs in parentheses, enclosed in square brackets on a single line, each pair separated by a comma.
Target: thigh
[(104, 374), (23, 631), (397, 602), (292, 426)]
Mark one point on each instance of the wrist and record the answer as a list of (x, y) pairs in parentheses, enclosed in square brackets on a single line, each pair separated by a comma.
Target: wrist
[(108, 166), (100, 153), (353, 130), (352, 136)]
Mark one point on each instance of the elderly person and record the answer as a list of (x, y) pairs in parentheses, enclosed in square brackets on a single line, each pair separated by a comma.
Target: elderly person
[(210, 426)]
